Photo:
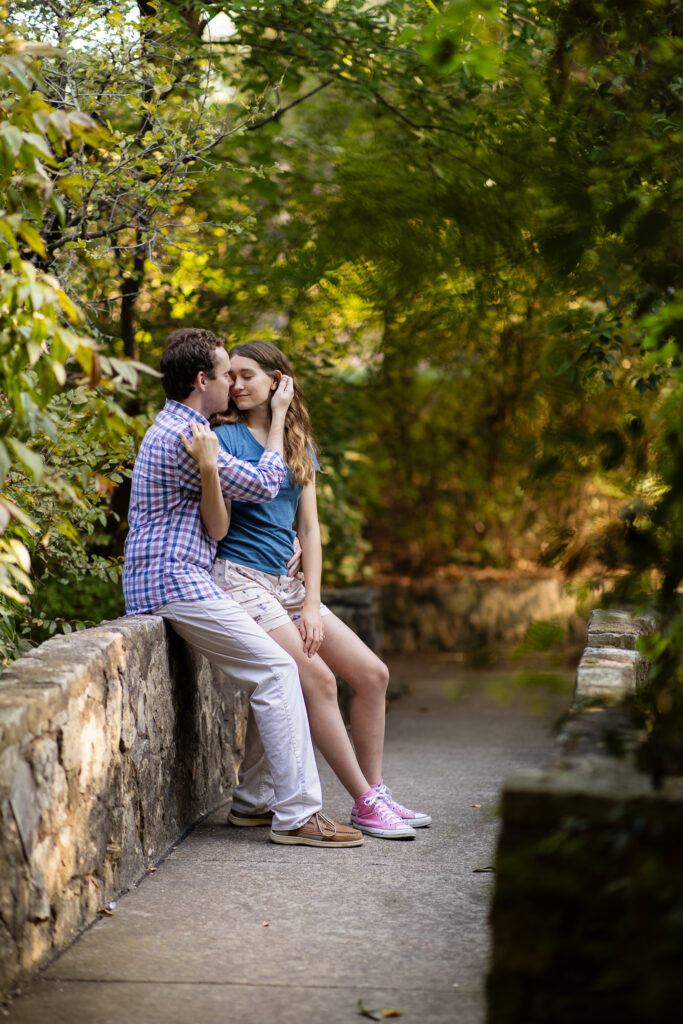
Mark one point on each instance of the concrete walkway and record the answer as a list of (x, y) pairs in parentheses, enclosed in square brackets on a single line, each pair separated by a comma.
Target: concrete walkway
[(232, 929)]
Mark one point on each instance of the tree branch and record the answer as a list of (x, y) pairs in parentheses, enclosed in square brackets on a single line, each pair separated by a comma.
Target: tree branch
[(283, 110)]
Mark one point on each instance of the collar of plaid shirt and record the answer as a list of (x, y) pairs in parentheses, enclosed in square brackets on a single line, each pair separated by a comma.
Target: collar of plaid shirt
[(168, 553)]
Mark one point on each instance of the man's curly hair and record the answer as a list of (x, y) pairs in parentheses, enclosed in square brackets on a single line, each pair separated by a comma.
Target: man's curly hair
[(188, 351)]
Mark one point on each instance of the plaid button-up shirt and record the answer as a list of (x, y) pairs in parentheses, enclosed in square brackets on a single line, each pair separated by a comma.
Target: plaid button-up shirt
[(168, 553)]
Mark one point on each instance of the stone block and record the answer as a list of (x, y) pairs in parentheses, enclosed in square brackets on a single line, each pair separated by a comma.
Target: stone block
[(610, 672), (618, 628), (24, 805)]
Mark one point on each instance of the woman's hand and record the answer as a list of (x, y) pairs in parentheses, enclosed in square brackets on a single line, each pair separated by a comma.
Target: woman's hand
[(283, 396), (311, 628), (294, 563), (204, 445)]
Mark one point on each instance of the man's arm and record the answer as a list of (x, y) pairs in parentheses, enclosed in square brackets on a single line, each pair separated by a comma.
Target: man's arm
[(214, 508), (240, 480)]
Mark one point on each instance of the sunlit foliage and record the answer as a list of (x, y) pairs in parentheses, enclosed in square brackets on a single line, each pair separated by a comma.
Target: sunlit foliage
[(61, 431)]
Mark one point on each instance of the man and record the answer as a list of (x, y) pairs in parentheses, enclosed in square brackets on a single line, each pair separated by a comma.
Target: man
[(168, 556)]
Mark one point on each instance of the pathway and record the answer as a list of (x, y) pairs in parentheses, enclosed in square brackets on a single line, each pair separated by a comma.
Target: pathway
[(232, 929)]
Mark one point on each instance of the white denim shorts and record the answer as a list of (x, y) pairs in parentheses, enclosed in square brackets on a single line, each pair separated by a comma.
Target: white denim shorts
[(271, 600)]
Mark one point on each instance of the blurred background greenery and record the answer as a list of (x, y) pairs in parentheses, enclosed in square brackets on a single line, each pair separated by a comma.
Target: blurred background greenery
[(461, 220)]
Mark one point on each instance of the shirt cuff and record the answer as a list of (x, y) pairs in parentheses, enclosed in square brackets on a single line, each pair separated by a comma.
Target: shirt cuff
[(273, 460)]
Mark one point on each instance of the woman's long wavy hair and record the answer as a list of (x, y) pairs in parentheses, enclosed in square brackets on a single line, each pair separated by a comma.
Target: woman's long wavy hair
[(299, 443)]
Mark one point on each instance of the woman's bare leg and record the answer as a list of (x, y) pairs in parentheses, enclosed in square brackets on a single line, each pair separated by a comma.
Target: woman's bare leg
[(319, 688), (368, 676)]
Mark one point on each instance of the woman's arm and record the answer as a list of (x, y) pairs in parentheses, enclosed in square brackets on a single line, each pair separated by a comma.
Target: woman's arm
[(214, 508), (308, 531), (242, 480)]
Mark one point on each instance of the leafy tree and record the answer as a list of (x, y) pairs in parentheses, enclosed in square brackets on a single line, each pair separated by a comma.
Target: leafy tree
[(58, 388), (395, 224)]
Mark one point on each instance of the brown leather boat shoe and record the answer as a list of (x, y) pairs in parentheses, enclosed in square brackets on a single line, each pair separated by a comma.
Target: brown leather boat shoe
[(319, 831), (246, 820)]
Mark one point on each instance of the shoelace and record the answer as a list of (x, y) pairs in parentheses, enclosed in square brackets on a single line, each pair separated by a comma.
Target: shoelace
[(384, 793), (322, 818), (382, 809)]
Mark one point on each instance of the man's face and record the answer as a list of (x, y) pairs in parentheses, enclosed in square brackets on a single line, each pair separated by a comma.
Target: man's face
[(217, 390)]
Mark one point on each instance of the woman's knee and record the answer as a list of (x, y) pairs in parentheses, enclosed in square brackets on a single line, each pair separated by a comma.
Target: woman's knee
[(319, 682), (374, 679), (381, 677)]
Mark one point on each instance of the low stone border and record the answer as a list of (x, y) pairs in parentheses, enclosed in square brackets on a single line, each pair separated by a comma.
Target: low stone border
[(587, 915), (474, 613), (112, 742)]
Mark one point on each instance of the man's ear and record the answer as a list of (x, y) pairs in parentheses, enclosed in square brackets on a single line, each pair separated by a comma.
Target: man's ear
[(199, 383)]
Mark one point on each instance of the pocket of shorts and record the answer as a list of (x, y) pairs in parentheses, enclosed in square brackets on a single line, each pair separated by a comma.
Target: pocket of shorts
[(219, 572)]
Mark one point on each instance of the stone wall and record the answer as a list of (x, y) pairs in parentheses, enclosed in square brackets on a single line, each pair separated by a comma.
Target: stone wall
[(472, 614), (112, 742), (587, 916)]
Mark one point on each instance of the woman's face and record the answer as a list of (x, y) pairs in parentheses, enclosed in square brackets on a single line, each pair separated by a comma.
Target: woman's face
[(251, 385)]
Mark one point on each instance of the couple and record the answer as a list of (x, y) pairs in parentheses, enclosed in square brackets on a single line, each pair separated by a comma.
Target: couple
[(245, 610)]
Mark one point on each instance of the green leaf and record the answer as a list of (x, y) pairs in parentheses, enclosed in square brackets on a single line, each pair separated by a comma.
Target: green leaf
[(60, 120), (6, 230), (32, 238), (5, 464), (11, 138), (38, 143), (30, 460), (17, 69)]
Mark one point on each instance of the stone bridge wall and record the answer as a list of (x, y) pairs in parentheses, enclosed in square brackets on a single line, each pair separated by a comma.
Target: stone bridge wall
[(473, 614), (587, 915), (464, 615), (112, 742)]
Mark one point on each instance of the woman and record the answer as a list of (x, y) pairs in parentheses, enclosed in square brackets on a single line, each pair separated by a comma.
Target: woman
[(252, 567)]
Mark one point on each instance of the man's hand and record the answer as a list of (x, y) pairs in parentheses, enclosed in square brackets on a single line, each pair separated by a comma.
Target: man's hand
[(294, 564), (283, 396), (204, 445)]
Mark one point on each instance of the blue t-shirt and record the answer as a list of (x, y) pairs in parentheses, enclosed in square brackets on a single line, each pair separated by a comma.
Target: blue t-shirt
[(260, 535)]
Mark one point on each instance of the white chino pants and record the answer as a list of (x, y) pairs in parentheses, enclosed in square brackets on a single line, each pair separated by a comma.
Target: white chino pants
[(229, 638)]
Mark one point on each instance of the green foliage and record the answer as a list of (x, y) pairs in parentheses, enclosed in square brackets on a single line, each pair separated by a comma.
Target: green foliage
[(57, 404), (542, 635), (587, 905)]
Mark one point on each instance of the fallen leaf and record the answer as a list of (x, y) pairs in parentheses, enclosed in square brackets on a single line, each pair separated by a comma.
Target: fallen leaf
[(266, 924), (105, 912), (378, 1014), (372, 1014), (475, 805), (481, 871)]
